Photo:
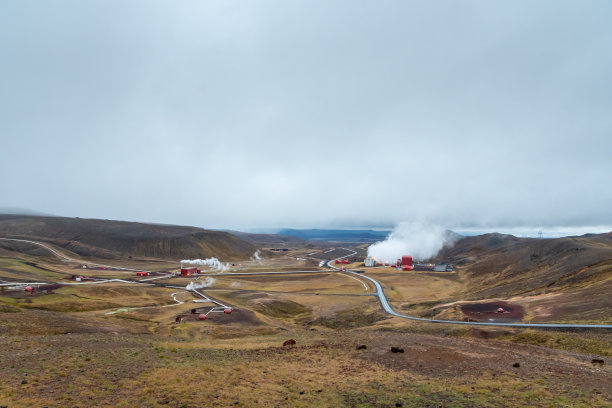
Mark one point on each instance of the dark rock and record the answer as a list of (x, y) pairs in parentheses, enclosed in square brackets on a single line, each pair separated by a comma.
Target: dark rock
[(319, 390), (397, 350), (301, 392), (24, 381), (598, 361), (398, 404), (516, 365), (289, 342), (361, 347)]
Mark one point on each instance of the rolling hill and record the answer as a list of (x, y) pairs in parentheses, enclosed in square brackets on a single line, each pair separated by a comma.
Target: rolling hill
[(110, 239), (502, 265)]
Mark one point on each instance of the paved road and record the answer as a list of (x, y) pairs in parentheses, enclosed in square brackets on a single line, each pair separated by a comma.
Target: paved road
[(387, 308)]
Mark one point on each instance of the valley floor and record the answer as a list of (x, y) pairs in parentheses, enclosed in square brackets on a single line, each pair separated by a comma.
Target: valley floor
[(118, 344)]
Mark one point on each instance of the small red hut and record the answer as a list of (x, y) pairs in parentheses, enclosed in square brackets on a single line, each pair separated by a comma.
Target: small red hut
[(188, 271)]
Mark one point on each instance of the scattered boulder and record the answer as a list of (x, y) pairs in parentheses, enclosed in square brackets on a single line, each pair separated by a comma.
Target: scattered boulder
[(597, 361), (516, 365), (361, 347), (289, 342), (397, 350)]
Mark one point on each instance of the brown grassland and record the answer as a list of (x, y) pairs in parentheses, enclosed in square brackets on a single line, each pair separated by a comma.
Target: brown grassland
[(117, 344)]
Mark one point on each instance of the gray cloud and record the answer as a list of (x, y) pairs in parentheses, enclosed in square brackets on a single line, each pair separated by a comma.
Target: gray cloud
[(224, 114)]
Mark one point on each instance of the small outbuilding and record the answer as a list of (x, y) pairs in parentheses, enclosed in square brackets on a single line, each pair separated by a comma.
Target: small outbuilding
[(188, 271), (406, 263)]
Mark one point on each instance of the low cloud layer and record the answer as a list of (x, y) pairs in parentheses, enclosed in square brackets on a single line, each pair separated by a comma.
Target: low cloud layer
[(309, 114)]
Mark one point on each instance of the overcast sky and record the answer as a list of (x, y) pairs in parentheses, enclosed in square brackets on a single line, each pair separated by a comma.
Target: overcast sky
[(245, 114)]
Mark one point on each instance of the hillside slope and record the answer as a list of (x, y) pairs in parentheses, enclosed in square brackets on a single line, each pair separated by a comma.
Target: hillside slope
[(109, 239), (503, 265)]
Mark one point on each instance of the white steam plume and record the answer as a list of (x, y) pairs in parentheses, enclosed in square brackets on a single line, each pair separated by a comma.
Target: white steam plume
[(199, 284), (212, 263), (257, 256), (417, 239)]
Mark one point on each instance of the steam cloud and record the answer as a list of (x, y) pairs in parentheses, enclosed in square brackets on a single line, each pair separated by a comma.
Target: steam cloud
[(418, 239), (201, 283), (212, 263), (257, 256)]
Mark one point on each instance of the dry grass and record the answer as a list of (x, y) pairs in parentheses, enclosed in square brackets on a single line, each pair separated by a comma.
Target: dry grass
[(141, 358), (322, 370)]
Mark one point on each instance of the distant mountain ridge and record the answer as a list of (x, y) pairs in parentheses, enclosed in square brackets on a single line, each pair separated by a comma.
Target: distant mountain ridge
[(22, 211), (336, 235)]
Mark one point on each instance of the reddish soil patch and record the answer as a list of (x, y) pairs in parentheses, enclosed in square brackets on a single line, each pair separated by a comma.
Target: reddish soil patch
[(491, 312), (243, 316)]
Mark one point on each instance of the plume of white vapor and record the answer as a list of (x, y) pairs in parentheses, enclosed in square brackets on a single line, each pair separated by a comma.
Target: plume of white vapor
[(212, 263), (257, 256), (417, 239), (199, 284)]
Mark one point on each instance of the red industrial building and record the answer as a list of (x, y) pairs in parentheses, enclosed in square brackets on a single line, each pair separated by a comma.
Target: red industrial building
[(406, 263), (189, 271)]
